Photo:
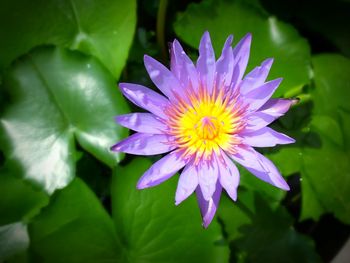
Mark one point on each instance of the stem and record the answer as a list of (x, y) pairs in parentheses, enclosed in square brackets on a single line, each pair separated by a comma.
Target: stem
[(160, 27), (294, 92), (304, 98)]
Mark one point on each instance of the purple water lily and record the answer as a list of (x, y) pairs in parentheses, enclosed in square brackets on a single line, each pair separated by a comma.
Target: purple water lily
[(209, 117)]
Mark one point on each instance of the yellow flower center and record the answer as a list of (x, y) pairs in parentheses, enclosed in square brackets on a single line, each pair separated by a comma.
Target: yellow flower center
[(205, 124)]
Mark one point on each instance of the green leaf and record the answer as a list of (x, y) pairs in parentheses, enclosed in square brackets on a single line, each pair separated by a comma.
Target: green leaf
[(102, 28), (327, 168), (153, 229), (322, 155), (74, 228), (270, 237), (271, 38), (13, 239), (236, 214), (259, 233), (332, 84), (18, 199), (269, 192), (59, 96)]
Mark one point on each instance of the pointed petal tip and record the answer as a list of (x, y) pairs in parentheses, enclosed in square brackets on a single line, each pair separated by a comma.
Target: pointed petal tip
[(287, 139), (279, 80), (268, 61), (115, 148), (285, 187), (118, 118), (229, 40), (291, 140), (122, 85), (146, 57), (282, 184), (141, 185), (248, 37), (206, 223), (206, 33), (295, 101)]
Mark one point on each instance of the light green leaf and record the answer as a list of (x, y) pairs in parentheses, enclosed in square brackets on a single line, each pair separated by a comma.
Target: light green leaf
[(74, 228), (271, 38), (153, 229), (99, 27), (59, 96)]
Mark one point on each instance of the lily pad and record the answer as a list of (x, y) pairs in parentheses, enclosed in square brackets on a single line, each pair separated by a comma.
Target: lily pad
[(59, 97), (102, 28), (322, 155), (19, 199), (153, 229), (271, 37), (74, 228), (270, 237)]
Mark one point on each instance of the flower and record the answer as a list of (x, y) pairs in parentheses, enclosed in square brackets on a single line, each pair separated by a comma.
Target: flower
[(209, 117)]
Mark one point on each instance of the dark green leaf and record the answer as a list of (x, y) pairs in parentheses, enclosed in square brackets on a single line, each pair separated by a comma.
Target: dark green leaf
[(59, 96), (74, 228), (236, 214), (259, 233), (271, 193), (99, 27), (327, 168), (322, 154), (18, 199), (271, 38), (153, 229), (332, 84)]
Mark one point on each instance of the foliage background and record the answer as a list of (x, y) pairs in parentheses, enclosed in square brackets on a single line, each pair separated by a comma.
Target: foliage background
[(65, 198)]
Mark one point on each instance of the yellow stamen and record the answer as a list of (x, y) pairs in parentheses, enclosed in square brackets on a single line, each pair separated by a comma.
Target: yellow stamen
[(205, 124)]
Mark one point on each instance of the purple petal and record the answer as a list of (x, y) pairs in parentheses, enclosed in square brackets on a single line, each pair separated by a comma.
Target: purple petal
[(277, 107), (270, 111), (183, 67), (235, 77), (256, 77), (206, 62), (207, 177), (259, 166), (208, 207), (162, 170), (257, 120), (163, 78), (266, 137), (241, 54), (142, 122), (224, 65), (145, 144), (229, 177), (258, 97), (188, 182), (145, 98)]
